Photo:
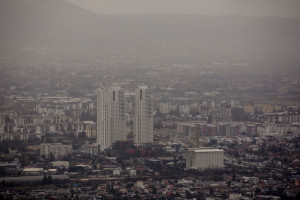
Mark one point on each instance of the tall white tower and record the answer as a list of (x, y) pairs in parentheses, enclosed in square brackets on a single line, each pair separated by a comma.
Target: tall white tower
[(143, 117), (110, 116)]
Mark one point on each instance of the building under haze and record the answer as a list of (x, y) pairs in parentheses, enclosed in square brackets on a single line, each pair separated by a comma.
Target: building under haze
[(110, 116), (143, 117), (55, 150), (206, 158)]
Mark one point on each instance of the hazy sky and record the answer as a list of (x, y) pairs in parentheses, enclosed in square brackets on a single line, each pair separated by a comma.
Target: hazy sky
[(280, 8)]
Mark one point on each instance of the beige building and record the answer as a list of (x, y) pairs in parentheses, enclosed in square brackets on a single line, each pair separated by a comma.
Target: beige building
[(249, 109)]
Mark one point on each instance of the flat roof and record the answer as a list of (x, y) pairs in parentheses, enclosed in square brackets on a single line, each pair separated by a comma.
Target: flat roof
[(206, 150), (33, 169)]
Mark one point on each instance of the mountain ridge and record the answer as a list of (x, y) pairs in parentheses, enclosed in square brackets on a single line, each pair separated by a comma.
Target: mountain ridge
[(68, 31)]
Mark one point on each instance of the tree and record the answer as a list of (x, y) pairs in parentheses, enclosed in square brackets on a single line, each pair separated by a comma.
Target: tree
[(154, 190), (3, 183), (45, 179), (280, 192), (229, 183), (298, 195), (6, 150), (188, 194), (72, 192), (175, 161), (24, 159), (52, 158), (136, 196), (233, 176), (49, 179), (211, 191), (7, 119), (257, 191)]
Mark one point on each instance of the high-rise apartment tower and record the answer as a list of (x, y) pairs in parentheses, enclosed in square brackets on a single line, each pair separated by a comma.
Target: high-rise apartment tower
[(143, 117), (110, 116)]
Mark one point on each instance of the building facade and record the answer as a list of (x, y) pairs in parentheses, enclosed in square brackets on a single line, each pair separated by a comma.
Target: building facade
[(202, 159), (57, 150), (110, 116), (143, 117)]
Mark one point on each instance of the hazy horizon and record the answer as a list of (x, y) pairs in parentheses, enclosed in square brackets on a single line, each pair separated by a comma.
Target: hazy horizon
[(58, 29), (260, 8)]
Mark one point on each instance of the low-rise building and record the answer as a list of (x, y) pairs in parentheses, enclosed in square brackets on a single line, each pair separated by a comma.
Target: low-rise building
[(55, 150), (204, 159)]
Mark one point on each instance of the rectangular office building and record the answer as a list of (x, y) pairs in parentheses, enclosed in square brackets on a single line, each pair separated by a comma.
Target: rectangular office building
[(202, 159)]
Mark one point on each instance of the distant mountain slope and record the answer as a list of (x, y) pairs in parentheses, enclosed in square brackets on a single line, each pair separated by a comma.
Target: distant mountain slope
[(54, 29)]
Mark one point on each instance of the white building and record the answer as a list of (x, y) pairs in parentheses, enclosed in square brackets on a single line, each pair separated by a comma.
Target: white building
[(143, 117), (164, 107), (38, 129), (204, 159), (58, 150), (110, 117), (88, 127), (116, 172), (91, 149), (61, 164), (184, 109)]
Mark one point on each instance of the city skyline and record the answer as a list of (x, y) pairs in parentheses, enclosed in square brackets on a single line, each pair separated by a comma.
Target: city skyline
[(150, 99)]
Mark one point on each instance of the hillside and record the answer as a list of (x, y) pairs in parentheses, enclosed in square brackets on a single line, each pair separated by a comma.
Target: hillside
[(54, 29)]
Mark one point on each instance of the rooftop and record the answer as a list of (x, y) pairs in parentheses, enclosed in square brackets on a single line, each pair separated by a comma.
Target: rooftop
[(206, 150)]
